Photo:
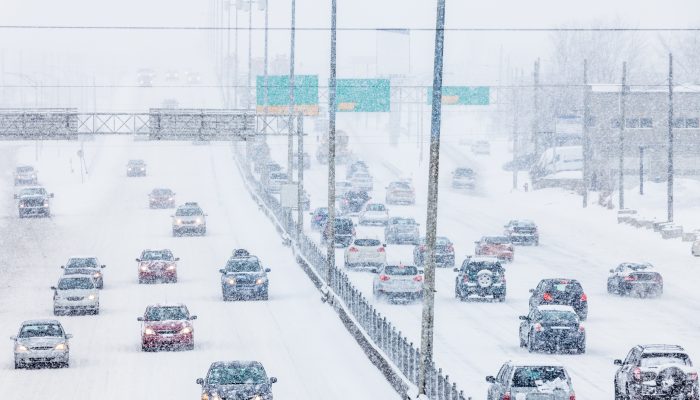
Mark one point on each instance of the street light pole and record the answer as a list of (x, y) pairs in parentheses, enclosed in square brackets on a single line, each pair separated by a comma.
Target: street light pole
[(331, 151), (249, 90), (426, 355), (235, 63), (621, 161), (290, 137), (669, 180)]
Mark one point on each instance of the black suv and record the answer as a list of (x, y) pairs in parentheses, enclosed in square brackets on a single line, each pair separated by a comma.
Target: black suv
[(552, 328), (236, 380), (344, 232), (244, 277), (480, 277), (560, 291), (33, 201), (656, 371), (444, 252)]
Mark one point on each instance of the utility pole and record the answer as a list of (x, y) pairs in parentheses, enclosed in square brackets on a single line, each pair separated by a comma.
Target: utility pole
[(621, 166), (669, 187), (300, 173), (265, 90), (225, 75), (516, 104), (290, 138), (536, 104), (249, 89), (641, 170), (235, 63), (586, 134), (331, 150), (426, 354)]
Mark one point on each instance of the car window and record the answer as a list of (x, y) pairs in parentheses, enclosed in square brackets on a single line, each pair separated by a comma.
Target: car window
[(188, 211), (442, 241), (41, 330), (630, 357), (657, 359), (76, 283), (400, 186), (343, 225), (376, 207), (496, 240), (82, 263), (25, 169), (166, 313), (153, 255), (472, 266), (243, 265), (464, 172), (536, 376), (501, 376), (278, 175), (564, 286), (33, 192), (558, 316), (236, 375), (400, 270), (367, 242), (404, 221), (162, 192)]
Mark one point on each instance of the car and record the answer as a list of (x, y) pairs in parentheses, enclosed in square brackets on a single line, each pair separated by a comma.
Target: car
[(463, 178), (172, 76), (136, 168), (343, 232), (365, 252), (236, 380), (444, 252), (353, 202), (560, 291), (319, 216), (33, 202), (244, 278), (157, 266), (522, 231), (41, 342), (189, 219), (306, 160), (240, 253), (167, 327), (656, 371), (193, 77), (88, 265), (400, 192), (497, 246), (275, 180), (530, 380), (401, 230), (552, 328), (398, 282), (161, 198), (76, 293), (639, 279), (695, 248), (25, 175), (355, 167), (342, 187), (362, 181), (480, 278), (374, 214), (481, 147), (145, 76)]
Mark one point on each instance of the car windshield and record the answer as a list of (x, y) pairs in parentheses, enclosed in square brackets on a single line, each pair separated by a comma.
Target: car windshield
[(535, 376), (523, 224), (278, 175), (152, 255), (41, 330), (442, 241), (367, 242), (552, 316), (166, 313), (25, 169), (657, 359), (361, 176), (136, 162), (400, 186), (237, 375), (162, 192), (343, 225), (464, 172), (404, 221), (376, 207), (400, 270), (638, 267), (481, 265), (496, 240), (243, 265), (321, 211), (564, 286), (33, 192), (82, 263), (188, 211), (75, 283)]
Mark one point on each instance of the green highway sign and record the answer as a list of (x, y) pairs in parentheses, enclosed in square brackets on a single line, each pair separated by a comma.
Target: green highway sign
[(363, 95), (305, 94), (463, 95)]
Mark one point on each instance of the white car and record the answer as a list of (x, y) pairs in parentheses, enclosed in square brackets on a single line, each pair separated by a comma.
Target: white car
[(481, 147), (362, 181), (695, 250), (41, 342), (77, 293), (398, 281), (374, 214), (365, 252), (85, 265), (189, 219), (342, 187)]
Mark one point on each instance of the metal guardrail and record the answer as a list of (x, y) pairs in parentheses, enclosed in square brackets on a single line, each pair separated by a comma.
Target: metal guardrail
[(399, 350)]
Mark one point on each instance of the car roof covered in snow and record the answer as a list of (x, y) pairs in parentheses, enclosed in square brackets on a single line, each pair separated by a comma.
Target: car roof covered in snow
[(41, 321), (661, 348), (535, 362), (552, 307)]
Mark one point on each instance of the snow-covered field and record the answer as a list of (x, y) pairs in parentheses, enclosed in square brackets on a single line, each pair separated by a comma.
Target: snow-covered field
[(473, 339)]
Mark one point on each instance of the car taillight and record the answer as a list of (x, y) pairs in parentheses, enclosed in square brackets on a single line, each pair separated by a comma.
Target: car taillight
[(584, 297), (547, 297), (510, 248), (693, 376), (418, 278), (506, 396), (381, 249), (572, 396), (466, 278), (581, 328), (659, 278), (637, 373), (353, 250), (450, 248), (538, 327), (630, 278), (422, 248), (383, 277)]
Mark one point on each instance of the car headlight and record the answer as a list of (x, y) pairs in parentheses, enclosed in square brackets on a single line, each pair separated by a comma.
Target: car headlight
[(260, 281), (185, 330), (46, 203), (92, 297), (171, 267), (149, 331), (144, 268), (205, 396), (231, 281), (21, 206), (215, 396), (170, 198), (199, 220), (178, 221), (20, 348), (97, 274), (256, 397), (60, 346)]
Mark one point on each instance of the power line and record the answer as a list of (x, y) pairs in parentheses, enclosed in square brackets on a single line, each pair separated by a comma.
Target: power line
[(210, 86)]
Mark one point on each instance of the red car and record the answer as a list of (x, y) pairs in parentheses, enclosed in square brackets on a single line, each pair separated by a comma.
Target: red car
[(157, 265), (167, 327), (496, 246)]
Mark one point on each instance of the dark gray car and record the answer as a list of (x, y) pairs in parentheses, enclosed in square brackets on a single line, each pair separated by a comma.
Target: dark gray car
[(401, 230), (244, 278), (237, 380)]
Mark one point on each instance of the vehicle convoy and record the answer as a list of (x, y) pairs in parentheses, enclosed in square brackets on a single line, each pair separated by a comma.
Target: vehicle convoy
[(76, 293), (444, 252), (25, 175), (343, 232), (400, 192), (342, 148), (365, 252), (560, 291), (167, 327), (495, 246), (552, 328), (463, 178), (85, 266), (41, 342), (157, 266), (401, 230), (33, 201), (480, 278), (398, 282), (243, 277), (233, 380), (639, 279), (530, 380), (136, 168), (522, 231), (353, 202), (161, 198), (656, 371), (374, 214), (189, 219)]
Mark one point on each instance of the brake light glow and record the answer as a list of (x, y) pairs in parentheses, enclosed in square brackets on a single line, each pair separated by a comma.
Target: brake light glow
[(581, 328), (637, 373), (693, 376), (630, 278), (547, 296), (466, 278), (381, 249), (584, 297), (383, 277), (450, 248), (353, 250), (572, 396), (418, 278), (506, 396), (538, 327)]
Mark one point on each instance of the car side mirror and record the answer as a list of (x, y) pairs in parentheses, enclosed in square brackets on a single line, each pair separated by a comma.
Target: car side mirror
[(140, 319), (53, 287), (490, 379), (138, 260), (193, 317), (523, 318), (103, 266), (532, 290), (177, 258), (384, 245), (200, 381), (273, 379), (13, 337), (63, 267), (51, 195), (612, 271), (69, 336), (617, 362), (222, 271), (455, 269), (268, 270), (373, 270), (16, 196)]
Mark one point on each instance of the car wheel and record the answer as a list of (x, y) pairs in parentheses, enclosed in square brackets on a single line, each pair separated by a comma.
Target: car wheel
[(173, 279), (581, 348), (175, 233), (18, 365), (611, 289), (96, 311), (56, 312), (530, 344), (502, 298), (264, 296), (522, 342), (65, 364)]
